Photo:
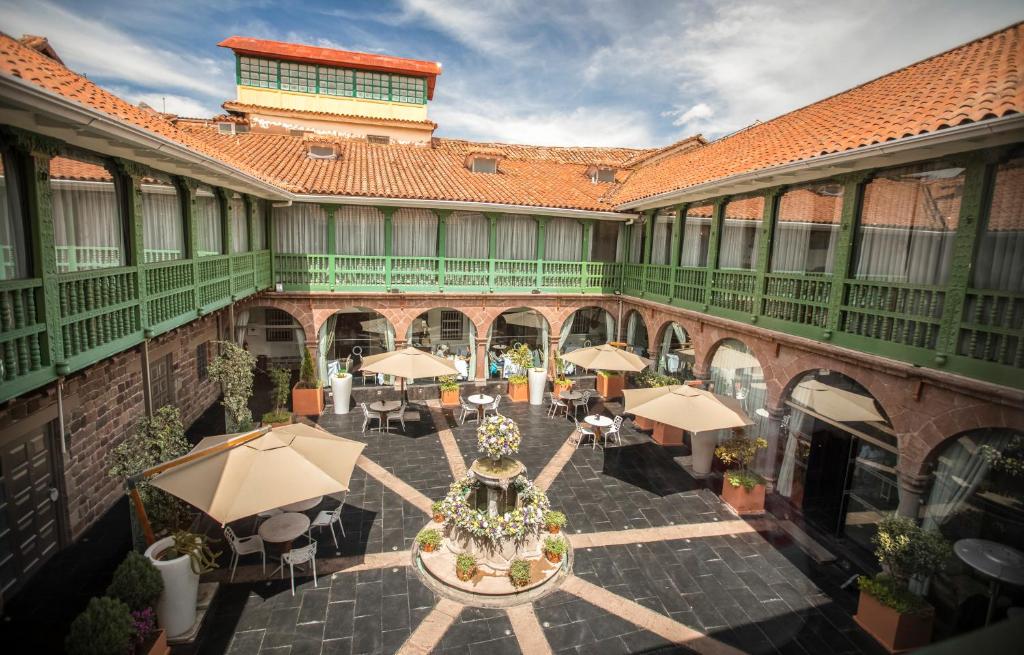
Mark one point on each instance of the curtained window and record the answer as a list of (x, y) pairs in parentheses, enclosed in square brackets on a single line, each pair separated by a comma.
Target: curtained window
[(516, 237), (359, 230), (88, 230), (13, 263), (661, 239), (696, 236), (606, 241), (563, 240), (414, 233), (239, 224), (301, 229), (741, 233), (635, 253), (999, 263), (907, 223), (207, 221), (466, 235), (806, 228), (259, 224), (163, 222)]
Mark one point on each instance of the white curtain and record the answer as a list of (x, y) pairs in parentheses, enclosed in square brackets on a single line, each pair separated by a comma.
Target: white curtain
[(544, 343), (259, 225), (563, 336), (896, 254), (999, 263), (695, 240), (472, 350), (163, 226), (326, 346), (241, 323), (738, 248), (414, 233), (609, 327), (88, 232), (516, 237), (795, 251), (635, 254), (799, 423), (301, 229), (359, 230), (207, 221), (300, 340), (563, 240), (466, 235), (661, 241), (962, 468), (631, 327), (13, 263), (239, 225)]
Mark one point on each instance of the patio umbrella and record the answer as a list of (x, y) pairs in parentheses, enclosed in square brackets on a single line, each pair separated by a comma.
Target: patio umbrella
[(607, 358), (727, 358), (834, 403), (409, 363), (285, 465), (524, 318), (682, 406)]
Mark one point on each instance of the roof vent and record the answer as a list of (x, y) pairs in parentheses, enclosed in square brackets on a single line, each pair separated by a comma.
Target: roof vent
[(601, 173), (322, 151), (483, 160), (378, 139)]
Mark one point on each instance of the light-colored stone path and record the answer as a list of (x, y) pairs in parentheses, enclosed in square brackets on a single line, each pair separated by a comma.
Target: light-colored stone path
[(394, 483), (324, 566), (456, 462), (528, 631), (431, 630), (664, 533), (647, 619), (556, 463)]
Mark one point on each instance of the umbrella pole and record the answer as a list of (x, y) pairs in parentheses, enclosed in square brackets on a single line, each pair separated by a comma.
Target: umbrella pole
[(140, 512)]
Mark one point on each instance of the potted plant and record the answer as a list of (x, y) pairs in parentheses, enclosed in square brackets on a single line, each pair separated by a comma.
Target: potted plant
[(554, 548), (465, 567), (609, 384), (554, 521), (180, 558), (233, 369), (104, 627), (429, 540), (888, 610), (137, 583), (341, 389), (437, 508), (519, 573), (307, 394), (522, 359), (449, 386), (742, 488), (149, 640), (561, 382), (281, 378)]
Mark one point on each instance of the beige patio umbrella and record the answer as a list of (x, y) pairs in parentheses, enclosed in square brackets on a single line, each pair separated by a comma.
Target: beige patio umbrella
[(728, 358), (244, 474), (834, 403), (409, 363), (524, 318), (607, 358), (693, 410)]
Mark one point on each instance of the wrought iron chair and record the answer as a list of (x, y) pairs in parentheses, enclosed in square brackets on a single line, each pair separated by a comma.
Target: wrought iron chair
[(327, 519), (244, 546), (297, 556)]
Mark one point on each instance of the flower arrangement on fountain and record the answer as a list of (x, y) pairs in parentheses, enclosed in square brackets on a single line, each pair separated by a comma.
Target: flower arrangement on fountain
[(514, 525), (497, 436)]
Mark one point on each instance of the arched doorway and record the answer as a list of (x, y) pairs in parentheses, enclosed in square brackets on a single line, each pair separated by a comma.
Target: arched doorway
[(636, 333), (587, 326), (735, 372), (447, 333), (675, 352), (838, 456), (355, 332), (273, 336), (510, 328)]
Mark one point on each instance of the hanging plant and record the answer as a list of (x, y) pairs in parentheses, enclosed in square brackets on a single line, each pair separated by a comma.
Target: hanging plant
[(233, 369)]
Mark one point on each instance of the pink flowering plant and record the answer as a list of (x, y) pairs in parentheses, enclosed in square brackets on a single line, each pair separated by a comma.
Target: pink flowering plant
[(514, 525), (497, 436)]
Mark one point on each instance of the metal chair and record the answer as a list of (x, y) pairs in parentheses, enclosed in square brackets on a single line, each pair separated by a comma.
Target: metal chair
[(581, 431), (397, 415), (583, 402), (244, 546), (327, 519), (493, 407), (468, 411), (369, 416), (299, 556), (557, 405), (614, 431)]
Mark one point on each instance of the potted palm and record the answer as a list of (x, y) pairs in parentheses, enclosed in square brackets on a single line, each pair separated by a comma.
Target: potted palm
[(465, 567), (449, 386), (307, 395), (180, 559), (281, 378), (888, 610), (341, 389), (742, 488), (522, 358), (554, 549)]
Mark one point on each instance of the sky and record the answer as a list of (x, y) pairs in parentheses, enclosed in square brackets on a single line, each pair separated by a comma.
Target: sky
[(554, 72)]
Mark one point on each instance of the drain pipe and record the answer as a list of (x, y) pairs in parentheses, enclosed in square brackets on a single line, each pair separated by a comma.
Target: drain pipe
[(618, 323), (60, 416)]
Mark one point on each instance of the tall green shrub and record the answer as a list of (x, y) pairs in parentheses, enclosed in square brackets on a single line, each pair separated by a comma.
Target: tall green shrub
[(308, 377), (104, 628), (233, 369), (282, 381), (136, 582), (905, 551)]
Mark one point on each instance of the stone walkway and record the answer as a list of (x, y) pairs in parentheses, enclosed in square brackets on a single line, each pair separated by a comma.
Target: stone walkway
[(661, 564)]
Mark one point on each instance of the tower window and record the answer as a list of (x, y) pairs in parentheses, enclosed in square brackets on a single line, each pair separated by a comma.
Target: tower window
[(484, 165)]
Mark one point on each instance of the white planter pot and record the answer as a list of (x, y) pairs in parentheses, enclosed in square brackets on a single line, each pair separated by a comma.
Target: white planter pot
[(341, 389), (538, 379), (703, 446), (176, 608)]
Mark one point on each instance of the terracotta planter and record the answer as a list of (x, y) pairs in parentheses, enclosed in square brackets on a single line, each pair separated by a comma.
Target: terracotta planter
[(155, 645), (554, 529), (896, 632), (280, 424), (428, 548), (610, 386), (667, 435), (466, 576), (559, 387), (449, 397), (554, 558), (641, 423), (741, 500), (307, 402), (518, 393)]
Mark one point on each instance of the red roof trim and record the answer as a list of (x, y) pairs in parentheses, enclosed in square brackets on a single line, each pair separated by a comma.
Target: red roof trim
[(308, 54)]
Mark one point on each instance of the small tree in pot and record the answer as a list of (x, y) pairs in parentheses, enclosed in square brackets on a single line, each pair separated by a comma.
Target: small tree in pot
[(281, 378), (233, 369), (307, 395), (561, 382), (742, 488), (522, 358), (449, 386)]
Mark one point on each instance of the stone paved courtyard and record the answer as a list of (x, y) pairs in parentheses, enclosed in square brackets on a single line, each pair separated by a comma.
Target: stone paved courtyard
[(661, 564)]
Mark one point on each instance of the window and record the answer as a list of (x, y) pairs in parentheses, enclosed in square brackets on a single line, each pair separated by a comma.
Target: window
[(88, 229), (161, 382), (163, 224), (298, 77), (302, 229), (696, 236), (322, 151), (372, 85), (208, 227), (336, 81), (661, 239), (741, 234), (13, 262), (806, 229), (451, 325), (329, 80), (274, 317), (408, 89), (253, 71), (202, 360), (603, 175), (604, 242), (258, 238), (414, 233), (226, 128), (484, 165), (1000, 261), (378, 139), (239, 224)]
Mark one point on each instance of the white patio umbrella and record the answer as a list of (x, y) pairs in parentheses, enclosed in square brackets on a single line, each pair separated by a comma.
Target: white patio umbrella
[(685, 407), (607, 358), (409, 364), (524, 318), (728, 358), (834, 403), (232, 476)]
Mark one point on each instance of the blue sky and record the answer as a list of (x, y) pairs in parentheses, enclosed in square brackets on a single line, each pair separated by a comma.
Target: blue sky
[(557, 72)]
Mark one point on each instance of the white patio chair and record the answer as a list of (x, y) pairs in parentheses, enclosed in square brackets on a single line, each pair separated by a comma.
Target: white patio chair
[(369, 416), (397, 415), (493, 407), (299, 556), (244, 546), (614, 432), (468, 411), (582, 431), (583, 402), (557, 405), (327, 519)]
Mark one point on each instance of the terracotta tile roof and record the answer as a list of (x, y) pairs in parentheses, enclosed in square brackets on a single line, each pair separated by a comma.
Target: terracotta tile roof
[(63, 168), (973, 82), (244, 108)]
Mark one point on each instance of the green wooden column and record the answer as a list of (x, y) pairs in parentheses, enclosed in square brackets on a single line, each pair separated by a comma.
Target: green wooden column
[(853, 191), (442, 245), (978, 183), (645, 254), (588, 234), (389, 246), (764, 248), (187, 187), (492, 247), (131, 175), (224, 202), (675, 252), (542, 229), (271, 236), (714, 240), (250, 220), (332, 246)]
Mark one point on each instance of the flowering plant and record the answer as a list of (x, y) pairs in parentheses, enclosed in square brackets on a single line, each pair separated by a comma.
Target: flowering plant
[(498, 435), (529, 516), (144, 621)]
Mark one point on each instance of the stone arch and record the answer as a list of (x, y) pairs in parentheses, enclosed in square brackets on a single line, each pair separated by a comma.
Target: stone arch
[(301, 312), (665, 324), (704, 353), (556, 331), (545, 312), (645, 316)]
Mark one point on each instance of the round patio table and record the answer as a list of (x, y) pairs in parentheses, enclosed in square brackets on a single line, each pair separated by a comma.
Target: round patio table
[(570, 395), (302, 505), (481, 401), (283, 529), (383, 407), (598, 422), (997, 562)]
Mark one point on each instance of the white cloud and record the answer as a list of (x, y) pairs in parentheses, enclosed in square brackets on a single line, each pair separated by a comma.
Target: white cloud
[(493, 28), (684, 115)]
